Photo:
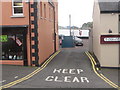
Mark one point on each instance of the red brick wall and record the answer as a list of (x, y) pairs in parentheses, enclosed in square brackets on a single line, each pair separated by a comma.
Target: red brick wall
[(7, 13)]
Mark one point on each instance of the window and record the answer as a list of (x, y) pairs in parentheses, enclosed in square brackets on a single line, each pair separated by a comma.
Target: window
[(45, 10), (40, 9), (12, 47), (49, 13), (52, 14), (17, 7)]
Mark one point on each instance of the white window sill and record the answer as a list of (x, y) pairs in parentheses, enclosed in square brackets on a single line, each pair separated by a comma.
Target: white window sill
[(41, 17), (17, 16)]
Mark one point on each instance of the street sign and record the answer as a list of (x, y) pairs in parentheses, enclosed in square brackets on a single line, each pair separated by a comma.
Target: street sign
[(3, 38), (17, 40), (110, 39)]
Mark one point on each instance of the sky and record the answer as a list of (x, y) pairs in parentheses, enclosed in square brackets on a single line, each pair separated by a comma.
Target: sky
[(81, 12)]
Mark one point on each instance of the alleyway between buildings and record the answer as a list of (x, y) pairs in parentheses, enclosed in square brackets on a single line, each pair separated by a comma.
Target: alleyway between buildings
[(71, 68)]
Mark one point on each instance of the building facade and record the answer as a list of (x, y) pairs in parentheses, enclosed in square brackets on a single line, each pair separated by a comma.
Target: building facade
[(106, 32), (29, 31)]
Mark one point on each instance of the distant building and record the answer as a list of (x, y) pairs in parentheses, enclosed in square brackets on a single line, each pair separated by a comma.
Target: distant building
[(106, 32), (29, 31), (74, 32)]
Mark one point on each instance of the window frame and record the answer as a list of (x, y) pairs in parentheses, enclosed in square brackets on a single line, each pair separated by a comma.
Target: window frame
[(41, 10), (45, 9), (13, 7)]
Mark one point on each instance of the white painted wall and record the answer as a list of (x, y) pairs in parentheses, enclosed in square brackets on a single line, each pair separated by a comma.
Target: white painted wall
[(107, 54)]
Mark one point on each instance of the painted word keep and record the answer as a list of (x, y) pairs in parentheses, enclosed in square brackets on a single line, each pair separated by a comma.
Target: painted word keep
[(68, 71)]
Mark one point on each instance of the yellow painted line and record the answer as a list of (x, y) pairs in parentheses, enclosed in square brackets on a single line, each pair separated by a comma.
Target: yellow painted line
[(106, 78), (92, 58), (93, 66), (28, 76), (101, 75), (31, 74)]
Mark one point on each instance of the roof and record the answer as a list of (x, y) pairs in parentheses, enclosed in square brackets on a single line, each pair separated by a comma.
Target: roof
[(109, 6)]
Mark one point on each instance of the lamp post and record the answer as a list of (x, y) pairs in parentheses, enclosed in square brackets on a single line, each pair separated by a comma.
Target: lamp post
[(70, 23)]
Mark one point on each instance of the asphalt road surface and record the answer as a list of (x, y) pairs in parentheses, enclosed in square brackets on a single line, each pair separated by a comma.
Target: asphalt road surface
[(71, 68)]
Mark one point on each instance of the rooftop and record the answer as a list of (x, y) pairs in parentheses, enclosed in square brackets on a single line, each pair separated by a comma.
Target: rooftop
[(109, 6)]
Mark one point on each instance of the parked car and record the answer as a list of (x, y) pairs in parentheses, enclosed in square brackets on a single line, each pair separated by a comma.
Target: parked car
[(60, 41), (78, 41)]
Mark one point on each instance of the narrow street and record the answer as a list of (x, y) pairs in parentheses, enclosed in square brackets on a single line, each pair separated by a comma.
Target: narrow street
[(71, 68), (60, 44)]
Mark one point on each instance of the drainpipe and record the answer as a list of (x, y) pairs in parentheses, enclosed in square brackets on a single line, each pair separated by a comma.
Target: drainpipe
[(119, 28), (54, 30), (29, 32)]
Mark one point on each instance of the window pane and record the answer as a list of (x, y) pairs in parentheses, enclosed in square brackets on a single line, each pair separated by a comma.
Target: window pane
[(17, 4), (18, 10), (17, 0), (13, 48), (45, 10)]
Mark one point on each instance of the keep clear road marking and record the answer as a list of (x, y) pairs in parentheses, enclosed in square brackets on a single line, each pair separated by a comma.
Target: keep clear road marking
[(31, 74), (100, 74), (67, 79), (2, 81), (16, 77)]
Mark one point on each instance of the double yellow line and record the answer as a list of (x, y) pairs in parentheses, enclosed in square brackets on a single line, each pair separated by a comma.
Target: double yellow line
[(100, 74), (31, 74)]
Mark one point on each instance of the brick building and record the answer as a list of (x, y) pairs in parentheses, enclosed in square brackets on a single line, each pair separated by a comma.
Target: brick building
[(29, 31)]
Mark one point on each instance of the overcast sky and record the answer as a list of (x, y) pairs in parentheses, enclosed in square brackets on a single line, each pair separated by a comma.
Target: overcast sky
[(80, 10)]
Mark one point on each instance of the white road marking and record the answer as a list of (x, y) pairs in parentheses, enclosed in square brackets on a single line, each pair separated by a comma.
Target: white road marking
[(55, 70), (68, 71), (83, 79), (49, 78), (16, 77), (76, 79), (65, 71), (57, 80), (2, 81), (69, 78), (72, 71)]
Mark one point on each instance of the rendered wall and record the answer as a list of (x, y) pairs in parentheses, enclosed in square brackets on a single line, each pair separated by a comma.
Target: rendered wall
[(107, 54), (96, 31)]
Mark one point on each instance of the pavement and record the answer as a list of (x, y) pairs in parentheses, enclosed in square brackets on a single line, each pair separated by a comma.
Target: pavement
[(112, 74), (71, 68), (11, 73)]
